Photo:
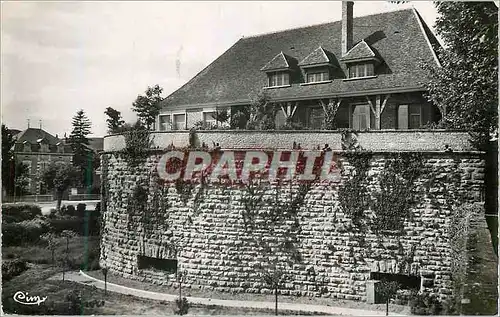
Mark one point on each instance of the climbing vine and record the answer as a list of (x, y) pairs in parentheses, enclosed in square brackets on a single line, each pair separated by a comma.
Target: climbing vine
[(353, 195), (391, 204), (137, 144)]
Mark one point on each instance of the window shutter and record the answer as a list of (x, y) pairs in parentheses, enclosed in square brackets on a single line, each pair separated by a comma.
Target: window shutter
[(403, 117)]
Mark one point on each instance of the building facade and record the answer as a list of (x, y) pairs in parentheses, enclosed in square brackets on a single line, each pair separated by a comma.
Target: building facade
[(37, 149), (368, 71)]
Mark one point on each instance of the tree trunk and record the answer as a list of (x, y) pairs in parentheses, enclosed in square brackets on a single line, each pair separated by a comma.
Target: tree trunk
[(387, 307), (276, 300), (59, 195)]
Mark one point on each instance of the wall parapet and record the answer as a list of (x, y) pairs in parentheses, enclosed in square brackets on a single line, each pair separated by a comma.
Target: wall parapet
[(380, 140)]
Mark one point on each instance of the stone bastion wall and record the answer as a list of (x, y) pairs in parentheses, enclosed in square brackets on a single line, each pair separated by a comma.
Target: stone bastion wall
[(228, 237)]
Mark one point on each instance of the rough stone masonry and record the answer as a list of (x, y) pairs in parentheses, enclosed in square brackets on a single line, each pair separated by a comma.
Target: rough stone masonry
[(222, 237)]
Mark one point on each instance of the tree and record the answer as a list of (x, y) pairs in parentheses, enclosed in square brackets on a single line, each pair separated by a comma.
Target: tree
[(148, 107), (79, 142), (465, 88), (7, 160), (59, 177), (114, 120), (21, 179), (262, 113)]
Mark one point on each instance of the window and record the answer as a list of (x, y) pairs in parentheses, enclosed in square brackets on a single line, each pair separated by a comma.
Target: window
[(148, 263), (179, 121), (277, 79), (409, 117), (27, 147), (28, 164), (165, 122), (361, 70), (415, 119), (405, 281), (314, 77), (361, 117), (209, 119)]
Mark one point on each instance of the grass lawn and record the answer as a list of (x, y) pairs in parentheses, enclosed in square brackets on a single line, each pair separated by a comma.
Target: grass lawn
[(34, 281), (195, 292)]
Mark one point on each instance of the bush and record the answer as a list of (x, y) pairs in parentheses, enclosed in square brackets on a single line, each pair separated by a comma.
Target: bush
[(12, 268), (75, 224), (80, 210), (425, 304), (68, 210), (181, 306), (21, 212), (23, 232)]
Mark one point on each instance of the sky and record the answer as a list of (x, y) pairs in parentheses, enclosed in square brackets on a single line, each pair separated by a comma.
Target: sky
[(60, 57)]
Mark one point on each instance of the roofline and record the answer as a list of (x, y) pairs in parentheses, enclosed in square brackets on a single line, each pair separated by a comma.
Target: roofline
[(241, 102), (419, 21), (325, 23)]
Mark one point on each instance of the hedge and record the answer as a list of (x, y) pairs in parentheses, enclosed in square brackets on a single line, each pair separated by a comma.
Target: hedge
[(23, 232), (19, 212)]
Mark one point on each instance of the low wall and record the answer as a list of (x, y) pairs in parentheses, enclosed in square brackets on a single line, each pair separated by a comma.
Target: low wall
[(205, 229), (409, 140)]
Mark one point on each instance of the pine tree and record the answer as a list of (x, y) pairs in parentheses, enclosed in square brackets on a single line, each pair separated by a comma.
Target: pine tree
[(148, 107), (79, 141)]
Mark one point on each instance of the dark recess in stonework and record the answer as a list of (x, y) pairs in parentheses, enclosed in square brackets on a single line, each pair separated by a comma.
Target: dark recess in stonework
[(406, 281), (148, 263)]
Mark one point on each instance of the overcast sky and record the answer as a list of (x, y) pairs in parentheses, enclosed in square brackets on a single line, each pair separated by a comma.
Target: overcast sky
[(59, 57)]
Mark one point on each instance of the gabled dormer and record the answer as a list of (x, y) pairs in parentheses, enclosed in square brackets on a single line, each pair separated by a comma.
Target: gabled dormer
[(317, 66), (278, 70), (361, 61)]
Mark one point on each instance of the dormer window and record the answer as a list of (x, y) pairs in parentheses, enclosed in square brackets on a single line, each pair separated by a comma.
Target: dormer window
[(277, 79), (359, 70), (278, 70), (317, 75), (361, 61), (317, 66)]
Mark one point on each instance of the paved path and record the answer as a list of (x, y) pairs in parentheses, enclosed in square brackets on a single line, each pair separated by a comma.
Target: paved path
[(83, 278)]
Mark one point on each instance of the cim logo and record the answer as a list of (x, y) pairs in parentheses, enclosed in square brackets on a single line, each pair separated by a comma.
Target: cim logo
[(23, 298), (245, 166)]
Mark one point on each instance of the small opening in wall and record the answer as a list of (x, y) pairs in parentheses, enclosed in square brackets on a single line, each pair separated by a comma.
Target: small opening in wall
[(406, 281), (148, 263)]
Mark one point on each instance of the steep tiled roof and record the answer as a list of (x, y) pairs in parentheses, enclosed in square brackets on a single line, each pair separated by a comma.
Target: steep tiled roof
[(359, 51), (318, 56), (397, 37), (279, 61), (32, 135)]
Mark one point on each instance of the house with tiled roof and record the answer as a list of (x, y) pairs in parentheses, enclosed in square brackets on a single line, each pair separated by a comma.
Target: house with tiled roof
[(370, 70), (37, 149)]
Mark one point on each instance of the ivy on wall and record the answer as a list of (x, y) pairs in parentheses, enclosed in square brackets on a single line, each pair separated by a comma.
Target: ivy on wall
[(353, 194), (391, 204), (138, 142)]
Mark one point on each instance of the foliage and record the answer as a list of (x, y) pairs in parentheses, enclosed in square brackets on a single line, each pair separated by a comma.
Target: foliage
[(59, 178), (7, 159), (353, 195), (20, 212), (391, 204), (19, 233), (222, 116), (262, 113), (137, 144), (148, 106), (291, 125), (21, 181), (239, 119), (465, 88), (330, 111), (12, 268), (114, 120), (79, 141), (181, 306), (425, 304)]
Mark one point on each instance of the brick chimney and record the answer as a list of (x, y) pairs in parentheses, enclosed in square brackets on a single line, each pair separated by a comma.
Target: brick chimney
[(346, 26)]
